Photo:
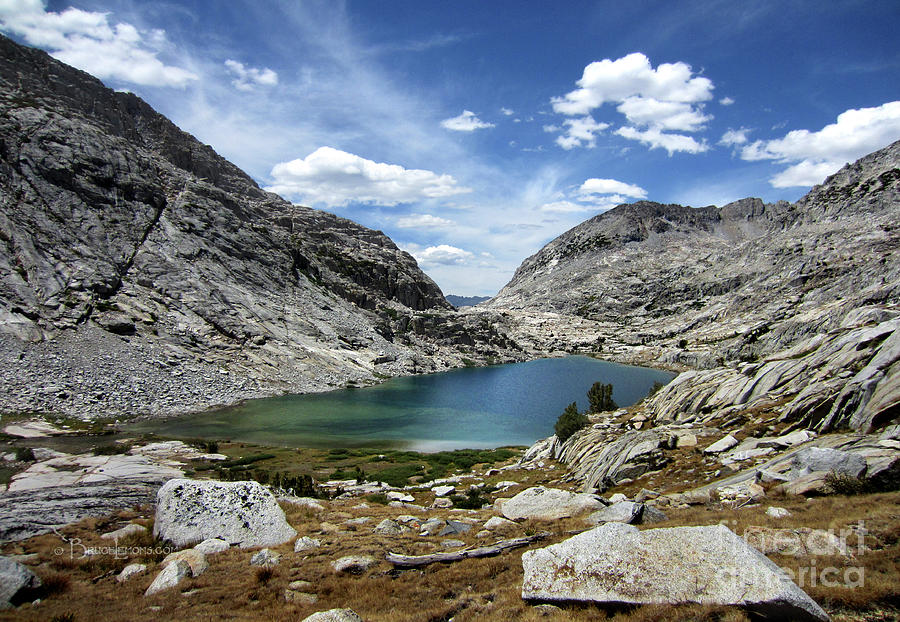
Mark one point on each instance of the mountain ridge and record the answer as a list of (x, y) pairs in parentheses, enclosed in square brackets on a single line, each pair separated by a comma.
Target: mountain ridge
[(125, 239)]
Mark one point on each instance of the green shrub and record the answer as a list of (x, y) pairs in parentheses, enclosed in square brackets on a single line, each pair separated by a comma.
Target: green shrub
[(25, 454), (569, 422), (600, 397), (471, 501), (111, 449)]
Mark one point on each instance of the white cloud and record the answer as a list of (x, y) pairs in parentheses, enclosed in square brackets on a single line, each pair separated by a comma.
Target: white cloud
[(507, 111), (815, 155), (440, 255), (88, 41), (668, 98), (665, 115), (582, 132), (248, 78), (611, 186), (423, 221), (465, 122), (733, 138), (726, 101), (334, 178), (615, 81), (655, 138)]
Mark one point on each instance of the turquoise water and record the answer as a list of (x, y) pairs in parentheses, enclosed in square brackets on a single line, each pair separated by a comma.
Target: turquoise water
[(483, 407)]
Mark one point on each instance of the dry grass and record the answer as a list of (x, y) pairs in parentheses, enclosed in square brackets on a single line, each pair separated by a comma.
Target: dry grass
[(472, 590)]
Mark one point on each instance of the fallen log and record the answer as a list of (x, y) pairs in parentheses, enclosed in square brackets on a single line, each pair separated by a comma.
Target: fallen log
[(414, 561)]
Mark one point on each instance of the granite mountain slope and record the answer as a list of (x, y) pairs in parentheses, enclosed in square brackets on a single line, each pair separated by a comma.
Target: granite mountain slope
[(734, 282), (140, 271)]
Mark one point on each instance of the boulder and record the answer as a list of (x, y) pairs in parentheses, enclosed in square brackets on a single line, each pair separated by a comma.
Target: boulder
[(334, 615), (800, 542), (305, 543), (442, 503), (441, 491), (453, 527), (549, 504), (127, 530), (622, 512), (354, 564), (433, 526), (776, 512), (814, 459), (211, 546), (388, 527), (723, 444), (194, 558), (16, 581), (170, 576), (241, 513), (131, 570), (618, 564), (400, 496), (265, 557), (497, 522)]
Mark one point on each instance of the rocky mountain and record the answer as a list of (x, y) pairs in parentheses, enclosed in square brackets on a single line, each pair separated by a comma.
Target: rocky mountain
[(701, 286), (142, 272)]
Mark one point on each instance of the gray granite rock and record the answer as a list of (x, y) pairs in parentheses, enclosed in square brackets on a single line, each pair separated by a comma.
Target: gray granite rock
[(334, 615), (241, 513), (16, 581), (169, 577), (548, 504), (617, 563)]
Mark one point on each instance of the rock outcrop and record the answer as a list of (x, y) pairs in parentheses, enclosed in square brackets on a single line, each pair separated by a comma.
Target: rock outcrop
[(17, 582), (618, 564), (142, 272), (542, 503), (240, 513)]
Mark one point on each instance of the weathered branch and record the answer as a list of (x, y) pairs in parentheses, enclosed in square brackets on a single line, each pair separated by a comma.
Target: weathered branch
[(414, 561)]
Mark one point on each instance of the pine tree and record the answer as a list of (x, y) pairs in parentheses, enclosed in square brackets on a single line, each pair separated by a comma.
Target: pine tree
[(569, 422), (600, 397)]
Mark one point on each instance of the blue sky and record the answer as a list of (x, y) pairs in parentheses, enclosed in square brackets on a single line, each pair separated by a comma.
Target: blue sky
[(473, 132)]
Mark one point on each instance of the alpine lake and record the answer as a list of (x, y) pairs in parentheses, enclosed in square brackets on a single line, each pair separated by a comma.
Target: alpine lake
[(477, 408)]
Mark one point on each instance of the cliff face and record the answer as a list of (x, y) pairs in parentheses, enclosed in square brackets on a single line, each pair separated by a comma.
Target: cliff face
[(733, 282), (141, 271)]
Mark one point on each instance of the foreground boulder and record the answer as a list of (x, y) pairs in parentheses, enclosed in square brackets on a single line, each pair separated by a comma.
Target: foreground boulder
[(334, 615), (618, 564), (240, 513), (548, 504), (16, 582)]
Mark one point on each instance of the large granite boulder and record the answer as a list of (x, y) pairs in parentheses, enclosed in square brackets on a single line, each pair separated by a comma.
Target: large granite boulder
[(241, 513), (334, 615), (549, 504), (814, 459), (16, 581), (617, 563)]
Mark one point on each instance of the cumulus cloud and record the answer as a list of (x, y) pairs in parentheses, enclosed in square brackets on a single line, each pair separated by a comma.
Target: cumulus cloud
[(441, 255), (581, 132), (734, 138), (507, 111), (655, 102), (815, 155), (248, 78), (594, 186), (465, 122), (726, 101), (656, 138), (87, 40), (423, 221), (333, 178)]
